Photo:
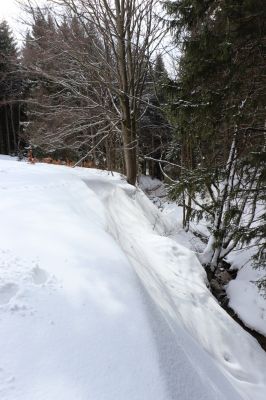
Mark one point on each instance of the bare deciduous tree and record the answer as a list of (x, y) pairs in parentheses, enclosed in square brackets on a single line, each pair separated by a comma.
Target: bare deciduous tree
[(129, 33), (109, 82)]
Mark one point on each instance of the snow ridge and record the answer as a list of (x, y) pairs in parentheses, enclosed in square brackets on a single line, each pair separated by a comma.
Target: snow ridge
[(175, 280)]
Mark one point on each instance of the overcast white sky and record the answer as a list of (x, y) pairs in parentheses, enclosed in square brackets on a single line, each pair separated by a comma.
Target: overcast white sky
[(11, 12), (8, 10)]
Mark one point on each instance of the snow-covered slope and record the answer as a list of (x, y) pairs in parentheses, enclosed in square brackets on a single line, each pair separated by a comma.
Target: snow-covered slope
[(244, 296), (97, 303)]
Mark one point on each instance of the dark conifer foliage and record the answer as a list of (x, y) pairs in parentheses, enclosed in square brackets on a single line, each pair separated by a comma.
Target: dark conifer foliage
[(155, 132), (221, 74), (11, 87), (219, 114)]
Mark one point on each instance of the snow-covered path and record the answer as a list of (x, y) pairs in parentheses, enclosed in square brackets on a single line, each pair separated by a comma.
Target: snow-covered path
[(96, 303)]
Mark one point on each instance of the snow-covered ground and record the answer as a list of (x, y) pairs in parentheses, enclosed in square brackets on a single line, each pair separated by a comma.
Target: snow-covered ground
[(243, 293), (244, 296), (97, 302)]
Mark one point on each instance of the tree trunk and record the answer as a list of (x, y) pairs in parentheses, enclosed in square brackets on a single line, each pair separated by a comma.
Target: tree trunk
[(129, 139), (8, 150)]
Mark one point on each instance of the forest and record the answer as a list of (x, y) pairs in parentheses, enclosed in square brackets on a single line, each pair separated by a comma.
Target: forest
[(94, 84)]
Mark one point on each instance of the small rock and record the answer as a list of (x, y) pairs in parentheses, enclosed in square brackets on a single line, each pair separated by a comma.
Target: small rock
[(215, 286), (223, 277)]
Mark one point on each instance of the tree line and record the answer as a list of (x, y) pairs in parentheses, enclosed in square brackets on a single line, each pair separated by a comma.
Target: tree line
[(90, 84)]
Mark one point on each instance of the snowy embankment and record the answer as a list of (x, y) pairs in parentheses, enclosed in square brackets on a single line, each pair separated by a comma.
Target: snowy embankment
[(244, 296), (97, 303), (243, 293)]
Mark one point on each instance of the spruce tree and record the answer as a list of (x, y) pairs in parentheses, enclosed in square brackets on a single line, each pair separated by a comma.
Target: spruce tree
[(10, 91), (219, 114)]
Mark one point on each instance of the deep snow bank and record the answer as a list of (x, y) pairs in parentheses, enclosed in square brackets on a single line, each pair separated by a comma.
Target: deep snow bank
[(244, 296), (175, 280), (75, 320)]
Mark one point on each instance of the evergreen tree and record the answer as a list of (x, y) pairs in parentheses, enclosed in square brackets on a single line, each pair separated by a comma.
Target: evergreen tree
[(154, 132), (160, 73), (10, 91), (219, 113)]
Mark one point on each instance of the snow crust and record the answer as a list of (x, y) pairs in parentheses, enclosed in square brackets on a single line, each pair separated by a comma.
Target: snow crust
[(98, 303)]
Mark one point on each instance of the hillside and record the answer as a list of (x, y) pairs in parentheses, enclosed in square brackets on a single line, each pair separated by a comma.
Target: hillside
[(97, 302)]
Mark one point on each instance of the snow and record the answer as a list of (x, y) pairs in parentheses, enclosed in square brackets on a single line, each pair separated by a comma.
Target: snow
[(243, 293), (97, 302), (244, 296), (154, 189)]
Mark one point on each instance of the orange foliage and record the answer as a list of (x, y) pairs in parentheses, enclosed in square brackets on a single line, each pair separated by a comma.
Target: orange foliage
[(31, 159), (88, 164), (68, 163)]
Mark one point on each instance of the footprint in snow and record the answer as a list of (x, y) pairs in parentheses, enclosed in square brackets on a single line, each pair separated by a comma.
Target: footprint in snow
[(7, 382), (39, 276), (7, 291)]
